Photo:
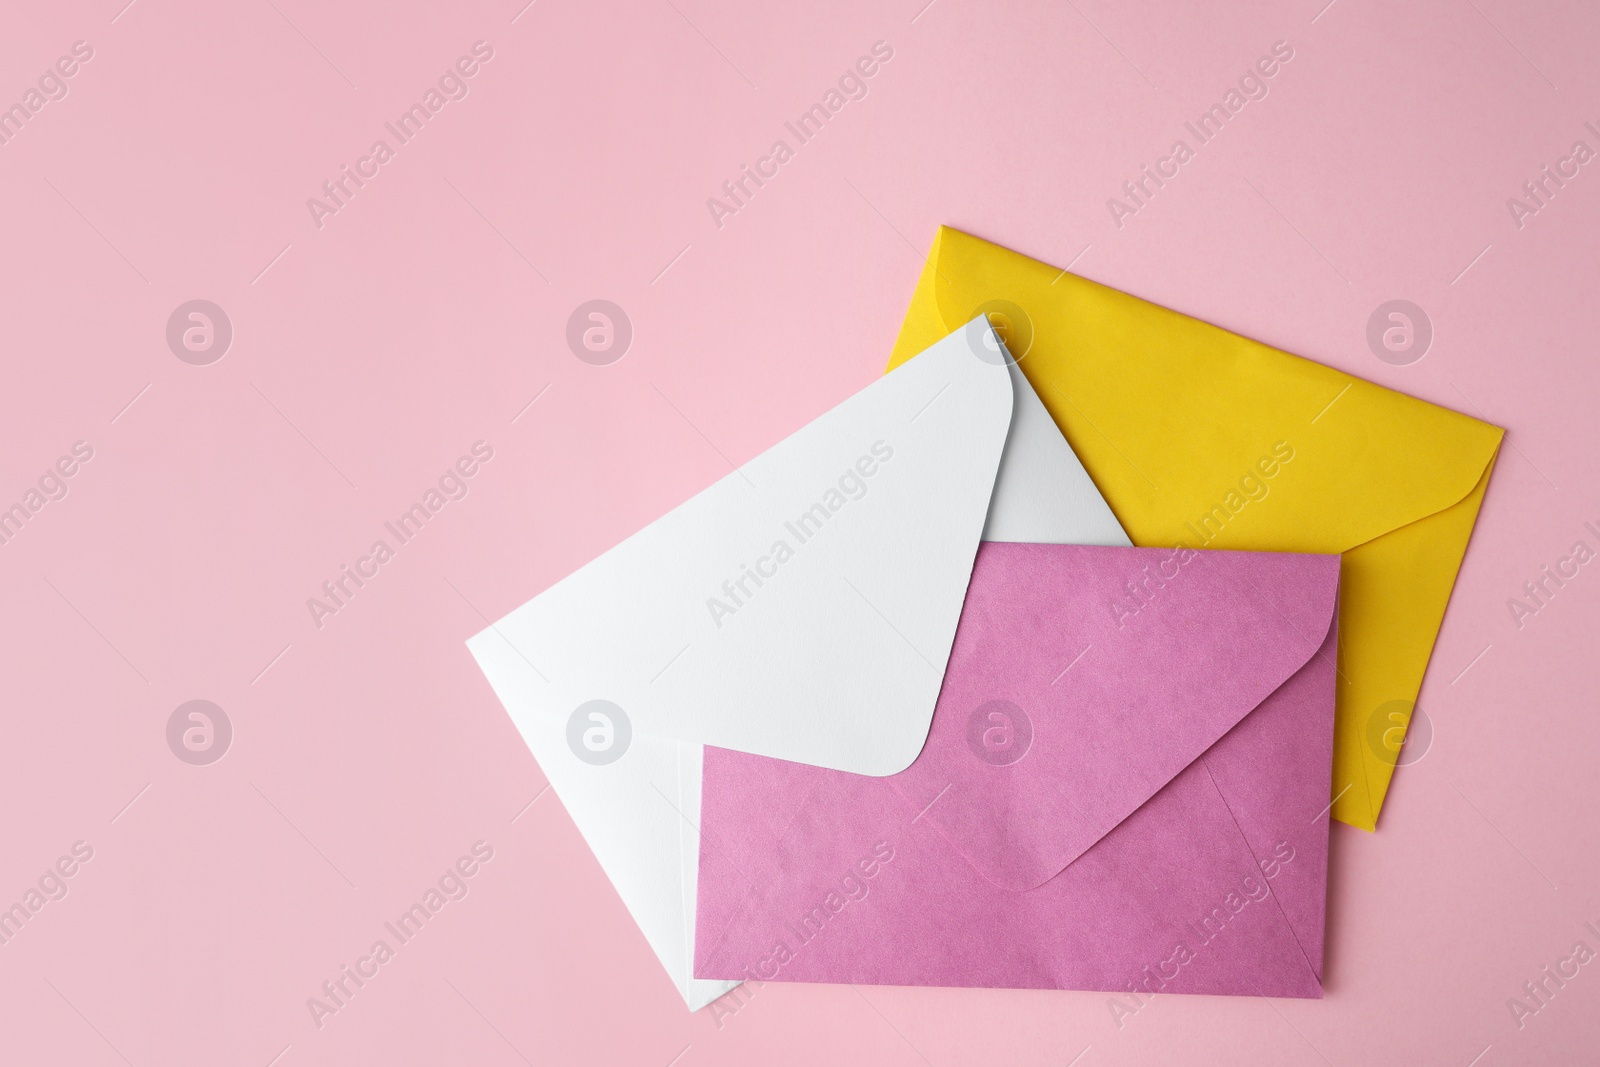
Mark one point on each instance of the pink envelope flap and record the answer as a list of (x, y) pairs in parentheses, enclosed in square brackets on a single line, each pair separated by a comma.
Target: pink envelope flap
[(1131, 664)]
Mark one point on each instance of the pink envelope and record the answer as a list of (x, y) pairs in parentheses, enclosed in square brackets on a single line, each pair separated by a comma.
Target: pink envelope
[(1125, 788)]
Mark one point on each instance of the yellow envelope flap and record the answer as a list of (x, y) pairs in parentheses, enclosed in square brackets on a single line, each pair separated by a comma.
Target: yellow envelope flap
[(1177, 417)]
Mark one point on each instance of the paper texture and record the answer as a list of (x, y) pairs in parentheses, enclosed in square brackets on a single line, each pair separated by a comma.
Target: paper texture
[(1128, 767)]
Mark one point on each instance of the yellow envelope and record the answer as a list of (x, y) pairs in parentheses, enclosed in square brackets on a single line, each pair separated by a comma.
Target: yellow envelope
[(1200, 437)]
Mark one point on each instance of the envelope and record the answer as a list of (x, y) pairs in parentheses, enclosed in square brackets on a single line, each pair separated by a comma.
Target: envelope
[(1125, 788), (1200, 437), (802, 607)]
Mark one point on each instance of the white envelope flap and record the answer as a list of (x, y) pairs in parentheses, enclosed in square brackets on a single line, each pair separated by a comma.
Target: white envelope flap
[(802, 607)]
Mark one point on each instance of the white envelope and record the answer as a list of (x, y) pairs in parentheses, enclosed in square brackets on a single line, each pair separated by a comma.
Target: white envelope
[(803, 607)]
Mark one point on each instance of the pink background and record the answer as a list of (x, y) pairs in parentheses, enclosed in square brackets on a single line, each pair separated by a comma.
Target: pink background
[(370, 753)]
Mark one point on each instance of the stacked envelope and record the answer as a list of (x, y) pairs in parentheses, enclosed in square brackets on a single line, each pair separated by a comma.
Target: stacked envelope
[(899, 702)]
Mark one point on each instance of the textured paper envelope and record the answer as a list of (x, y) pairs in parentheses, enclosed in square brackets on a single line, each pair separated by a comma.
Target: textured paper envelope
[(1199, 436), (1125, 786)]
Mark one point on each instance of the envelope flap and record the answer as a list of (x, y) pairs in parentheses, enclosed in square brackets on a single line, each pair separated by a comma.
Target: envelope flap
[(802, 607), (1083, 680), (1175, 417)]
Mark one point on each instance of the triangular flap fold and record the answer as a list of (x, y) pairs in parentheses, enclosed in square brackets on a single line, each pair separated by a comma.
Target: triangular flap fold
[(1226, 404), (802, 607), (1084, 679)]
